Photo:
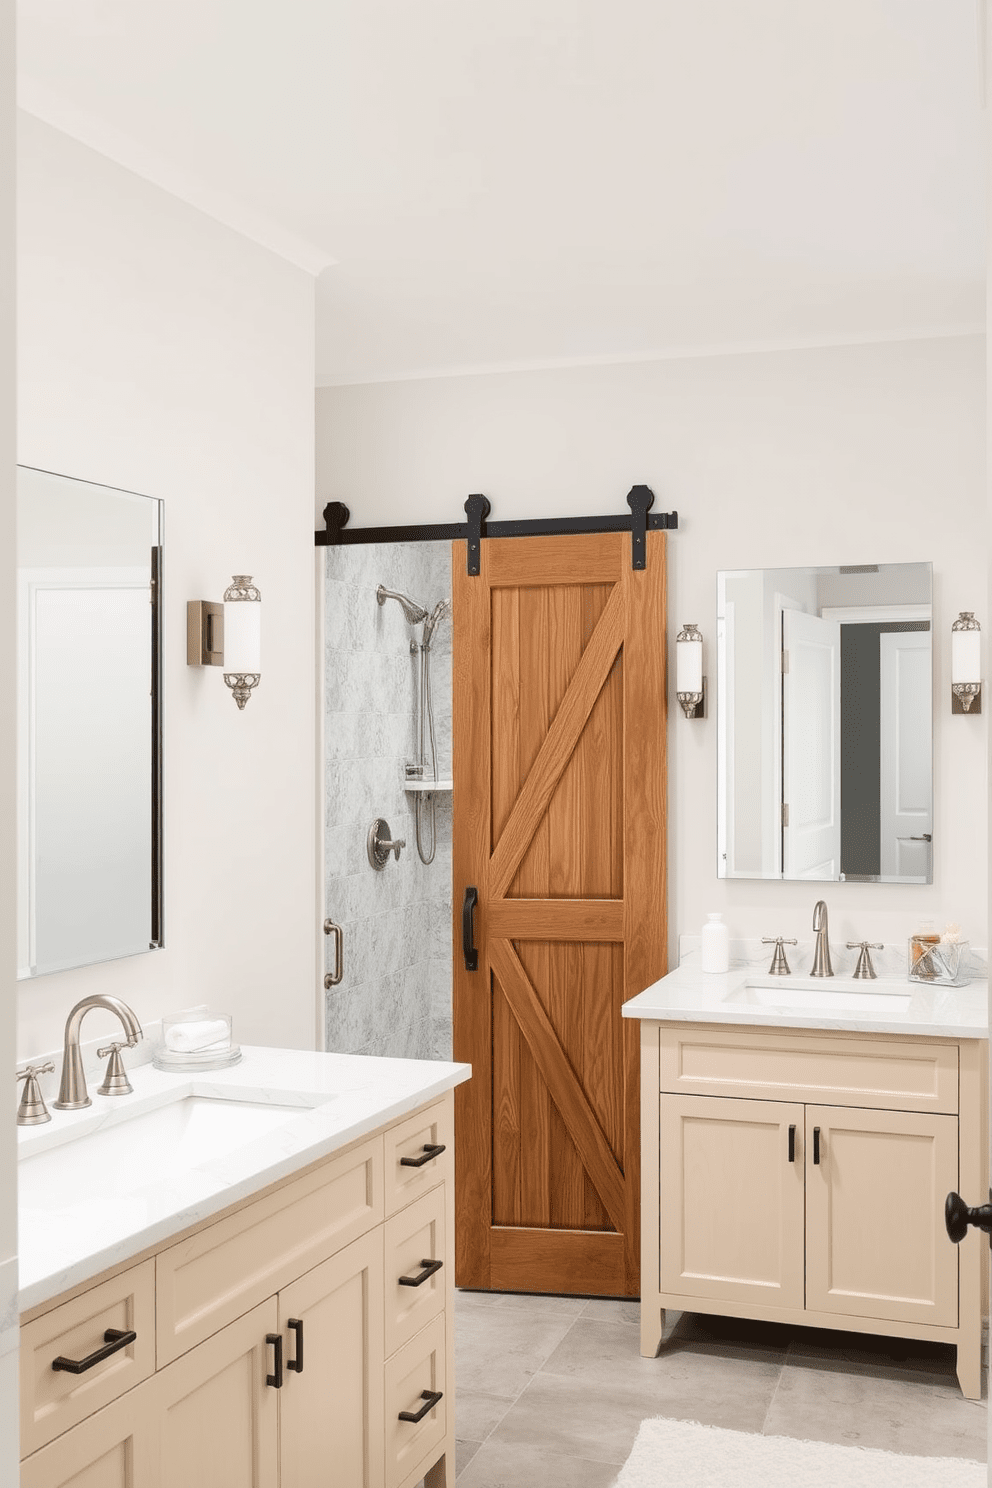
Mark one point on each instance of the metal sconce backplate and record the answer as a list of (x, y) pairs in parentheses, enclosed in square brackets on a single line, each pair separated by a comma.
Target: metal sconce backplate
[(204, 633)]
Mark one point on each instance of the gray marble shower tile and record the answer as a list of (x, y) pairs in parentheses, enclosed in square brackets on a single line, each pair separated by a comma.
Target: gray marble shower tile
[(397, 923), (440, 988), (441, 927)]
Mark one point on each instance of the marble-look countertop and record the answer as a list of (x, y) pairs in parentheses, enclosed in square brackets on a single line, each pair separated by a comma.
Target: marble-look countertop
[(64, 1240), (691, 995)]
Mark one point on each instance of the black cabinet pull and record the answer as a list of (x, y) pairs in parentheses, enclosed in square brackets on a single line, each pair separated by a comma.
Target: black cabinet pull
[(428, 1153), (958, 1216), (816, 1145), (275, 1379), (792, 1144), (430, 1399), (297, 1326), (430, 1267), (468, 929), (114, 1339)]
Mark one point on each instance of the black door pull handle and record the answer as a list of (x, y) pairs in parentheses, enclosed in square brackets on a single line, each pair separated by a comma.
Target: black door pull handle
[(114, 1339), (816, 1145), (958, 1216), (792, 1144), (468, 929), (297, 1326), (430, 1399), (429, 1269), (275, 1380), (431, 1150)]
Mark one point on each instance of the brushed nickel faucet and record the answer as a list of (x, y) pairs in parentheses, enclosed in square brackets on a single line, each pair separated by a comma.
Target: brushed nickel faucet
[(821, 956), (72, 1090)]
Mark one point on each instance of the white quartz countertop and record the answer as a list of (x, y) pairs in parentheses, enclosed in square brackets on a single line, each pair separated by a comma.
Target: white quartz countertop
[(691, 995), (68, 1237)]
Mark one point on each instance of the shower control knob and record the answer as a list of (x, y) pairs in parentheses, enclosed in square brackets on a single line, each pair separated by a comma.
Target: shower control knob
[(380, 844)]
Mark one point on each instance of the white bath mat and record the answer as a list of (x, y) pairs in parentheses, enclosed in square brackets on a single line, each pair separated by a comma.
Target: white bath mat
[(683, 1454)]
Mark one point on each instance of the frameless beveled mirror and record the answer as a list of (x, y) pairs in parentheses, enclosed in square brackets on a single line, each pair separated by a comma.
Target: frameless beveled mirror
[(824, 723), (89, 845)]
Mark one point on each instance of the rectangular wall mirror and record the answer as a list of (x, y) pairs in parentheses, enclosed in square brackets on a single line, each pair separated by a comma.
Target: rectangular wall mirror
[(89, 840), (824, 723)]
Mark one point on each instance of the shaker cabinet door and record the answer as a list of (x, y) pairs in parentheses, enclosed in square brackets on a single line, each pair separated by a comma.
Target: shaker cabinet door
[(732, 1199), (331, 1410), (875, 1240), (218, 1419)]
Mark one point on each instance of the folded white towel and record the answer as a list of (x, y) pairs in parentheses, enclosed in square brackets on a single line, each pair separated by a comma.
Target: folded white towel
[(190, 1038)]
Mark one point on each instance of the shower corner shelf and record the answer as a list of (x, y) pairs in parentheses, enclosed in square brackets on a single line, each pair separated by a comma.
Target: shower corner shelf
[(424, 786)]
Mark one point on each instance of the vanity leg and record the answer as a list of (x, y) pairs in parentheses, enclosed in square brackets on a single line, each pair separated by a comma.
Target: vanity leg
[(652, 1329), (657, 1327), (969, 1368)]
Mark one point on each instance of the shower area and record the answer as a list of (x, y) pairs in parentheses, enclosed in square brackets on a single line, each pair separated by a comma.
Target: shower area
[(387, 744)]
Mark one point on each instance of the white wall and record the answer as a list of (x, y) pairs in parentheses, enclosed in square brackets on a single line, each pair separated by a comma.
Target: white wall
[(870, 453), (161, 352), (8, 774)]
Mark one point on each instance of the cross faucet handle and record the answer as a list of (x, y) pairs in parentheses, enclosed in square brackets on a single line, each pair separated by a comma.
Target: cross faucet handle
[(115, 1081), (779, 966), (864, 970), (32, 1110)]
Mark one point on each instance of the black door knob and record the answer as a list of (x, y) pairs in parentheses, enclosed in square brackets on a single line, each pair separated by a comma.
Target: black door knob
[(957, 1217)]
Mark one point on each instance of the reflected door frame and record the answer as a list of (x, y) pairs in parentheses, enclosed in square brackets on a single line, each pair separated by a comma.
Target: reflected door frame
[(30, 582), (906, 614)]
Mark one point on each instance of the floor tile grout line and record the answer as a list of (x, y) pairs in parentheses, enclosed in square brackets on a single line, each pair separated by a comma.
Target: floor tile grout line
[(525, 1387)]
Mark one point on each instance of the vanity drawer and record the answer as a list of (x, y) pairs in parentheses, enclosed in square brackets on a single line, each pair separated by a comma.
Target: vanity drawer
[(413, 1236), (229, 1267), (834, 1069), (54, 1400), (417, 1367), (407, 1143)]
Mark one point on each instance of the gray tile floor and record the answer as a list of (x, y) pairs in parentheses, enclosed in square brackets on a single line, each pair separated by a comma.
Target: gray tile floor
[(551, 1391)]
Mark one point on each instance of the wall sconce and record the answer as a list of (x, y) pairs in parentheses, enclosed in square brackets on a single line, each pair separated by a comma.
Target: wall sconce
[(690, 684), (228, 635), (966, 664)]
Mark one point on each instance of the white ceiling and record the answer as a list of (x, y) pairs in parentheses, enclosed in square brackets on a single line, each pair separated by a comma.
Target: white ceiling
[(533, 182)]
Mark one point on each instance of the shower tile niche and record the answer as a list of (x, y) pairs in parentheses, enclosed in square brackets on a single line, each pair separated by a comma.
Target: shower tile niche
[(395, 995)]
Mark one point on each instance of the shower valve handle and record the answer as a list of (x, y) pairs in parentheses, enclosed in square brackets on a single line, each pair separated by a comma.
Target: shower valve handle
[(380, 844)]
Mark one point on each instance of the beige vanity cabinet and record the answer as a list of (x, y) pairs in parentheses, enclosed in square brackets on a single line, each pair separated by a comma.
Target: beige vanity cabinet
[(286, 1349), (801, 1177)]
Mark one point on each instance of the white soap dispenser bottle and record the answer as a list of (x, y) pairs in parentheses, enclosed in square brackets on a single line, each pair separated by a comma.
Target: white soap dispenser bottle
[(716, 944)]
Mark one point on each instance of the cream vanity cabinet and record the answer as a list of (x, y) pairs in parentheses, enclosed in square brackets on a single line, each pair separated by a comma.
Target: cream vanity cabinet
[(300, 1338), (801, 1176)]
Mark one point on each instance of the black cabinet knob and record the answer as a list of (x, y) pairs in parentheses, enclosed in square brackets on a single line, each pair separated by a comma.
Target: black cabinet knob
[(958, 1216)]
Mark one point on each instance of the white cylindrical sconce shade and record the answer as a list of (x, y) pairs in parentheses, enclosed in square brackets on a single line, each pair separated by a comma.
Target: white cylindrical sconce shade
[(242, 637), (689, 660), (966, 664), (689, 670), (966, 649)]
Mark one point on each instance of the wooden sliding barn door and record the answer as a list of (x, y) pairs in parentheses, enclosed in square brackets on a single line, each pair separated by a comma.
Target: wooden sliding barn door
[(559, 825)]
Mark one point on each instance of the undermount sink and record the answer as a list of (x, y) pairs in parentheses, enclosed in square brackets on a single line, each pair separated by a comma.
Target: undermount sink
[(129, 1152), (838, 994)]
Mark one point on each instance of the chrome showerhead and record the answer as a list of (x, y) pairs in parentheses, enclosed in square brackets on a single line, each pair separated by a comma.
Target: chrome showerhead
[(440, 610), (413, 612)]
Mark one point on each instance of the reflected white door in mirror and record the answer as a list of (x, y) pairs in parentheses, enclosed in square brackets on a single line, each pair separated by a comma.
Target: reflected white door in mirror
[(825, 723)]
